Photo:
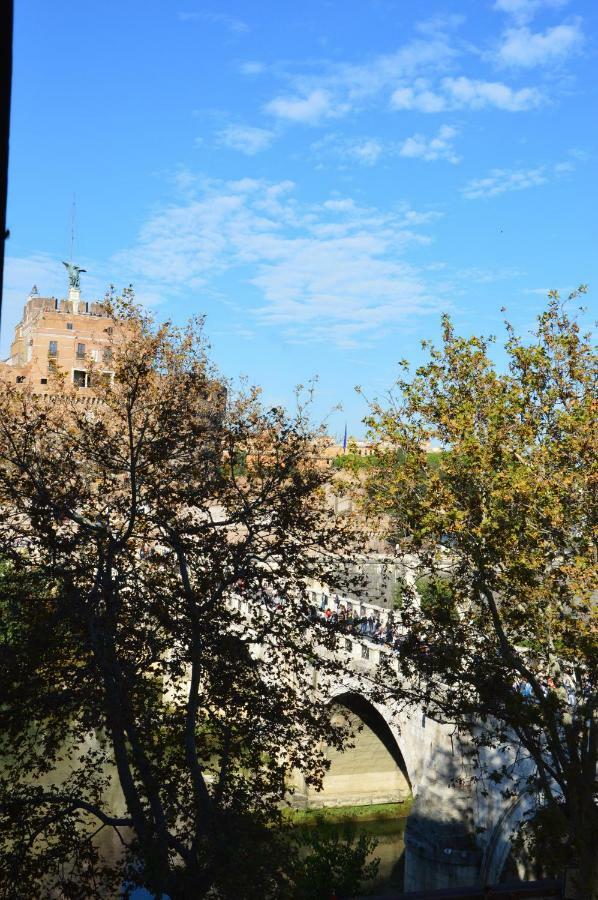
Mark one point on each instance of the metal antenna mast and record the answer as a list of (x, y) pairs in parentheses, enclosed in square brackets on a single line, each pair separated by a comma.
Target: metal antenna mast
[(72, 228)]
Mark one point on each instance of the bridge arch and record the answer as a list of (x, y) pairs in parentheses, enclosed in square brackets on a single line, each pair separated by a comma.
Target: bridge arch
[(373, 769), (498, 848)]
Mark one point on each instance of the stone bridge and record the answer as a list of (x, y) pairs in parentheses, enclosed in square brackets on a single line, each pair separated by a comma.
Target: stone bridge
[(458, 833)]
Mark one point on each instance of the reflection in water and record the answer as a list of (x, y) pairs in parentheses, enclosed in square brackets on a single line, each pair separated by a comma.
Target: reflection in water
[(390, 834), (391, 853)]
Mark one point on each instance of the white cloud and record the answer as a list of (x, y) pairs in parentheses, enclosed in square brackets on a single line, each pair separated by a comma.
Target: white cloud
[(415, 59), (333, 271), (231, 23), (309, 109), (563, 168), (522, 47), (501, 181), (417, 76), (473, 94), (525, 10), (340, 88), (465, 93), (364, 150), (246, 138), (423, 100), (252, 67), (367, 152), (438, 147), (343, 205)]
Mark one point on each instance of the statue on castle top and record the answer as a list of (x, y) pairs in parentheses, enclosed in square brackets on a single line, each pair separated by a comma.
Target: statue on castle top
[(74, 274)]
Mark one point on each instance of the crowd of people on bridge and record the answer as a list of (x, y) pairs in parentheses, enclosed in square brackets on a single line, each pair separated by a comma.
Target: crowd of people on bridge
[(376, 624), (360, 624)]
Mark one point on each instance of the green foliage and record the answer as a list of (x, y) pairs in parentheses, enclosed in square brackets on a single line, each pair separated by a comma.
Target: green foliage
[(436, 598), (353, 462), (334, 861), (508, 647), (543, 844), (400, 591), (136, 705)]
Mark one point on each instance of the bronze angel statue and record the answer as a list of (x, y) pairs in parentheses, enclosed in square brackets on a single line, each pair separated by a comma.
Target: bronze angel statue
[(74, 274)]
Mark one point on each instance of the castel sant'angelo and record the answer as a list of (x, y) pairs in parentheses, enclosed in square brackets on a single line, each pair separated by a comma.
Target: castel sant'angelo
[(69, 335)]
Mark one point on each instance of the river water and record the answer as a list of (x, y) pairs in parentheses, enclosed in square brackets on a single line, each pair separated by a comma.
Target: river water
[(390, 848), (390, 851)]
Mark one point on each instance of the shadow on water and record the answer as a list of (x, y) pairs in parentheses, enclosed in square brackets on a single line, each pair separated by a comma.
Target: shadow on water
[(389, 850)]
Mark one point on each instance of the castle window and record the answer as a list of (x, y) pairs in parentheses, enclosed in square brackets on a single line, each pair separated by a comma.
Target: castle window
[(80, 351), (53, 348), (20, 379), (69, 326), (79, 378), (107, 355), (43, 381)]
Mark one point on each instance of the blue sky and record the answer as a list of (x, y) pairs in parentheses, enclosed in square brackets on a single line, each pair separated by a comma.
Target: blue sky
[(321, 179)]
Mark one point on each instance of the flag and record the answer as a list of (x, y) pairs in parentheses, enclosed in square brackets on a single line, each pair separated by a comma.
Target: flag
[(345, 440)]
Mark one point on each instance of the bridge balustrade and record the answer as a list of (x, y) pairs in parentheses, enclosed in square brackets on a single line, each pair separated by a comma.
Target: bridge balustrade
[(358, 650)]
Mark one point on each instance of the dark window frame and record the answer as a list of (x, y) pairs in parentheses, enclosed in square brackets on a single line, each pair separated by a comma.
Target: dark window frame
[(77, 382)]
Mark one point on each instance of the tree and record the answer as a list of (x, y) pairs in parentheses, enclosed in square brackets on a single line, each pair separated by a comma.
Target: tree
[(137, 699), (336, 864), (504, 528)]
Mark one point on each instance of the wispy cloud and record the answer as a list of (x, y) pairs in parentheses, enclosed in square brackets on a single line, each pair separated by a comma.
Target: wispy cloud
[(366, 151), (438, 147), (419, 97), (333, 271), (310, 109), (421, 75), (465, 93), (231, 23), (525, 10), (369, 151), (252, 67), (501, 181), (339, 88), (246, 138), (474, 94), (523, 48)]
